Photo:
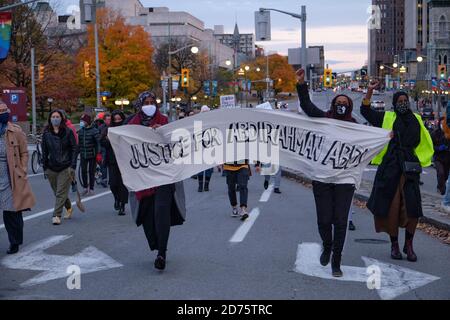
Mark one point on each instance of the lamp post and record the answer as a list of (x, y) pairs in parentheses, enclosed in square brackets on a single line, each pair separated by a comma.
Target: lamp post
[(121, 103), (194, 50)]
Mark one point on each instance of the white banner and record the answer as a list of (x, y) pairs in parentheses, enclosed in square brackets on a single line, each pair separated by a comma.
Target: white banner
[(323, 149)]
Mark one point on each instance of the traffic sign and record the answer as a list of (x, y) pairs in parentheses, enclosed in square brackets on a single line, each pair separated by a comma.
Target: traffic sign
[(105, 94)]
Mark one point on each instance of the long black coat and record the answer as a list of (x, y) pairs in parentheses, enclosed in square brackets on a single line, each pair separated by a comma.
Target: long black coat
[(401, 148)]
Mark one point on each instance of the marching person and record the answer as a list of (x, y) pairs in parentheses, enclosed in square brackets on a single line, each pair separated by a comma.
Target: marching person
[(70, 125), (15, 192), (395, 201), (103, 133), (116, 185), (207, 174), (441, 156), (156, 209), (89, 149), (333, 201), (59, 156), (238, 174)]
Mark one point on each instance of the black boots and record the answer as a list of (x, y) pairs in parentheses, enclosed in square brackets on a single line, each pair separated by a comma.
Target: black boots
[(336, 266), (207, 184), (395, 251), (116, 205), (200, 183), (325, 256), (121, 209), (13, 249), (409, 251)]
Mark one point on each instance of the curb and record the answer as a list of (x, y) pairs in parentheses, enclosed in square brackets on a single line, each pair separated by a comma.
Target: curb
[(297, 176)]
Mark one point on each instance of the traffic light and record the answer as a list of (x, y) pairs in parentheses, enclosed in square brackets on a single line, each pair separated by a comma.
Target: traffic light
[(41, 70), (442, 71), (185, 78), (86, 69), (328, 78)]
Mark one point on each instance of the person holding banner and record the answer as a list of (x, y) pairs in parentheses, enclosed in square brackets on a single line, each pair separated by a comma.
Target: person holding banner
[(207, 174), (395, 201), (116, 185), (238, 174), (333, 201), (158, 208)]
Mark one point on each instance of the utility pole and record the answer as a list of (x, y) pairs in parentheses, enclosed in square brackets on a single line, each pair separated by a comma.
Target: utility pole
[(97, 60), (33, 93), (304, 50)]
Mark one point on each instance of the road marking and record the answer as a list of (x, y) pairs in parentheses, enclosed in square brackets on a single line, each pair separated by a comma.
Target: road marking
[(370, 170), (395, 280), (35, 175), (267, 193), (43, 213), (243, 230), (55, 267)]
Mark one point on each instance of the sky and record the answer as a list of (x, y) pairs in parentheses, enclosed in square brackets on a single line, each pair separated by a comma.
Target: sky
[(340, 26)]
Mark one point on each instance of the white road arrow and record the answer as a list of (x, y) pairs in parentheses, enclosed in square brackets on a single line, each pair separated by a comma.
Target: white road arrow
[(395, 280), (55, 266)]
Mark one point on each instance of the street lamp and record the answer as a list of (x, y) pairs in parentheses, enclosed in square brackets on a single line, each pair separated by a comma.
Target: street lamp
[(122, 102), (395, 65), (228, 62)]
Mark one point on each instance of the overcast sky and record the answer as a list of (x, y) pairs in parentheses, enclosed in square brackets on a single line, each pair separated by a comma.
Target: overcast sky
[(341, 26)]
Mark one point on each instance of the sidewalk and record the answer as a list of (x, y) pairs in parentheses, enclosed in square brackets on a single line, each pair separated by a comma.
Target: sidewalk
[(431, 203)]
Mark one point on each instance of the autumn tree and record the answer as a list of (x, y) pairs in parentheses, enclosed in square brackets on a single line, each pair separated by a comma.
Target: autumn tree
[(125, 54), (280, 71)]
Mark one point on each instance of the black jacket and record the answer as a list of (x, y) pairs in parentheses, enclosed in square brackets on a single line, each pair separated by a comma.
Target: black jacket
[(439, 140), (89, 142), (401, 148), (59, 151)]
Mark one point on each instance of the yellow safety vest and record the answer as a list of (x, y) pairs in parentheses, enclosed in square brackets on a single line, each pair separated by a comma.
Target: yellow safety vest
[(424, 151)]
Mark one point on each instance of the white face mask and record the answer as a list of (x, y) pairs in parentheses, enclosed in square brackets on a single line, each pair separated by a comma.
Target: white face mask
[(149, 110)]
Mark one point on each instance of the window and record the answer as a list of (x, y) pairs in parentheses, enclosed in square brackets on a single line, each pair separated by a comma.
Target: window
[(443, 32)]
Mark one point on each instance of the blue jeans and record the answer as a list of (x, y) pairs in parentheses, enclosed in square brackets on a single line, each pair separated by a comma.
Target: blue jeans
[(276, 178), (446, 199)]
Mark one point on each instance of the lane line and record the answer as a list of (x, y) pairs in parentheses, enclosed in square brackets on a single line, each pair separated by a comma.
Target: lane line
[(243, 230), (267, 193), (35, 175), (43, 213)]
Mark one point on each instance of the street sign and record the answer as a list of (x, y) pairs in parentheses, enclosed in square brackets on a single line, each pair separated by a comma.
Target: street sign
[(214, 88), (206, 87), (15, 98), (105, 94), (262, 25), (228, 101)]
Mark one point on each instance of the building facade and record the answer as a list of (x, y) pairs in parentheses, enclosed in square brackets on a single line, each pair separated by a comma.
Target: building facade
[(243, 44), (386, 43)]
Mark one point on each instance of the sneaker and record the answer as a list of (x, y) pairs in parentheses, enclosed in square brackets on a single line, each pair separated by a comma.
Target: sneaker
[(69, 213), (13, 249), (266, 184), (85, 192), (122, 209), (244, 214), (277, 190), (351, 226), (235, 213), (336, 266), (56, 221), (91, 192), (325, 257), (445, 208)]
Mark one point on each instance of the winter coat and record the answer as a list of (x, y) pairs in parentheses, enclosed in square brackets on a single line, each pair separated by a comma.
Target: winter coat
[(401, 148), (59, 151), (89, 142), (17, 157), (439, 142)]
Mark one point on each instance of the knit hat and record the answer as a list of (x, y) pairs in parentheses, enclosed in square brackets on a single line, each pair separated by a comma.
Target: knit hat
[(86, 118)]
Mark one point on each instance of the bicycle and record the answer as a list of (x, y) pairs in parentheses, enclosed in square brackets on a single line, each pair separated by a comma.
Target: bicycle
[(37, 162)]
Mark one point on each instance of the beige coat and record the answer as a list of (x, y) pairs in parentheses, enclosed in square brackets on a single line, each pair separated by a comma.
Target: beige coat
[(17, 154)]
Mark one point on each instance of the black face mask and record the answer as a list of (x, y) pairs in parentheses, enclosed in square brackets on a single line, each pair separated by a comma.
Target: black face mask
[(402, 108), (341, 109), (116, 124)]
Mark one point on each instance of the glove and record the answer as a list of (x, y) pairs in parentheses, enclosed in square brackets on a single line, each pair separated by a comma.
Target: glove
[(99, 158), (442, 147)]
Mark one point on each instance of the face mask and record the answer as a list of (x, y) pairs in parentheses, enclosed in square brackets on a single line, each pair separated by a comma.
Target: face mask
[(82, 124), (402, 108), (149, 110), (116, 124), (341, 109), (4, 117), (55, 121)]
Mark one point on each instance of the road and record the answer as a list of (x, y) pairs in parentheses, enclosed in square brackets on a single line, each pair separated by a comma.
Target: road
[(212, 256)]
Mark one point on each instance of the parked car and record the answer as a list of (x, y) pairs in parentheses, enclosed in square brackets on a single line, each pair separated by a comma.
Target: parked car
[(427, 113), (379, 106)]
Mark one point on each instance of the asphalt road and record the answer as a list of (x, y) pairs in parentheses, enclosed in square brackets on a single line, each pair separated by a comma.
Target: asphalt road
[(212, 256)]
